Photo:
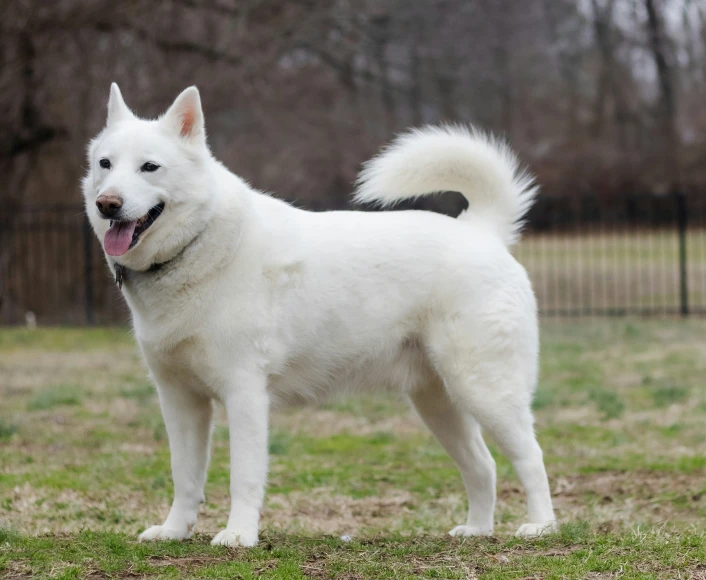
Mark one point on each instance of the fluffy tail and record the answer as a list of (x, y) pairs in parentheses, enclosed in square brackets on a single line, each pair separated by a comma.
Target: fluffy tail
[(453, 158)]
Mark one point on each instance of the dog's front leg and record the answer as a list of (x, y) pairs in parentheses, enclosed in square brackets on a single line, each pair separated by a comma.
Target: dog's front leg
[(247, 408), (187, 417)]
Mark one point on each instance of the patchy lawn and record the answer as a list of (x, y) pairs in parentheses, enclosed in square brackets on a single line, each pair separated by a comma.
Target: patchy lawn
[(84, 466)]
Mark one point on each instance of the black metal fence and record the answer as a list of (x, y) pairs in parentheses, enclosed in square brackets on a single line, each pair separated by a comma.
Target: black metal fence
[(586, 256), (52, 269), (637, 255)]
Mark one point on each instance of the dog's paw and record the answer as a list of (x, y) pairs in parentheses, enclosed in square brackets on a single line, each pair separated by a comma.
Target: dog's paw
[(162, 533), (535, 530), (235, 537), (465, 531)]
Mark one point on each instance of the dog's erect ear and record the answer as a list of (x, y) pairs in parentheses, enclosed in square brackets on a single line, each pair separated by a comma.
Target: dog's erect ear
[(117, 109), (185, 116)]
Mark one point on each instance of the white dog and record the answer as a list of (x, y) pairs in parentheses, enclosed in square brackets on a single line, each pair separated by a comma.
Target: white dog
[(242, 298)]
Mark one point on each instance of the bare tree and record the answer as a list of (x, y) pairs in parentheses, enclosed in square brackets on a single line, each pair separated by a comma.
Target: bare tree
[(298, 93)]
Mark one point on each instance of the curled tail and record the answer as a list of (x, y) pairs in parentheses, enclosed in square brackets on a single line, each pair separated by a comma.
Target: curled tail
[(453, 158)]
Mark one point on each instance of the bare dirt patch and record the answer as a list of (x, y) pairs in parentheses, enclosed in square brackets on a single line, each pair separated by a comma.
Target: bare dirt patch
[(322, 511), (617, 498)]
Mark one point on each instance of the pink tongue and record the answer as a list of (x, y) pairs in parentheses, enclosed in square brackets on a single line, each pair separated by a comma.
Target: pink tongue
[(118, 238)]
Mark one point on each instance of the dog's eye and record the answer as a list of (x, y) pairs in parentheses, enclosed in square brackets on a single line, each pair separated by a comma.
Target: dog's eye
[(149, 167), (104, 163)]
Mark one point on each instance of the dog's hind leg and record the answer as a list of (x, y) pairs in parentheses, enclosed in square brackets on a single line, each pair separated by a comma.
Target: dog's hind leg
[(188, 418), (512, 428), (489, 369), (508, 420), (460, 434)]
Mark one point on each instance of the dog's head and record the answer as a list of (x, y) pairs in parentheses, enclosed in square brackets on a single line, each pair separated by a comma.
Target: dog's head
[(148, 189)]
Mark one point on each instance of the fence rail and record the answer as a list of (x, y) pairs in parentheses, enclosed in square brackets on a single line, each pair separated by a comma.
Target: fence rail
[(639, 255)]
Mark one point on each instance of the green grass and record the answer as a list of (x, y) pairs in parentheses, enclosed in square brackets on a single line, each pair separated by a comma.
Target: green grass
[(63, 339), (56, 396), (664, 394), (575, 552), (84, 466), (7, 429), (607, 402)]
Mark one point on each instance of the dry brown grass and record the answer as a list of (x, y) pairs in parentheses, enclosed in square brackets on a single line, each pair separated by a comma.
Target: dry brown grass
[(102, 462)]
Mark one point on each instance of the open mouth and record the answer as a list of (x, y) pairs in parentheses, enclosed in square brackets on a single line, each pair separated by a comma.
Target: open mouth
[(123, 235)]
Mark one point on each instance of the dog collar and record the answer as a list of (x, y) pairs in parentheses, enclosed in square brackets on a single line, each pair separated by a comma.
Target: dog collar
[(119, 274), (121, 271)]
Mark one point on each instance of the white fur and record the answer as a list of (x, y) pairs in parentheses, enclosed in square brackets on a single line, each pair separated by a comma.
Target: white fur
[(453, 158), (260, 303)]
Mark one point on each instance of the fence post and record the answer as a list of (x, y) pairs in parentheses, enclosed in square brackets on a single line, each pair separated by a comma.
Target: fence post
[(88, 270), (681, 229)]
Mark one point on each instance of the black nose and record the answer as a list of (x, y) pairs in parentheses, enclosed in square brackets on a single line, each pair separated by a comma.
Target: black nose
[(109, 205)]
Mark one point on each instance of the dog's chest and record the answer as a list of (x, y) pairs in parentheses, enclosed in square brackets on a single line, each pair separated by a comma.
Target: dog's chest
[(188, 363)]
